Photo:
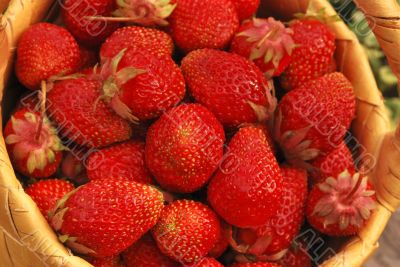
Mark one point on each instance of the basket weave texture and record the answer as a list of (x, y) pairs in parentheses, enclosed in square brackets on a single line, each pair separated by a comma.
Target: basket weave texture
[(27, 240)]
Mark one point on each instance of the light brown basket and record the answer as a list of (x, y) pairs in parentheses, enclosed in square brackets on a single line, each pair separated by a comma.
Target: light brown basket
[(27, 240)]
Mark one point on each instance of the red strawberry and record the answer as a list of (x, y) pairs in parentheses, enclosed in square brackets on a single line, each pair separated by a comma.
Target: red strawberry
[(184, 147), (153, 40), (222, 243), (233, 88), (145, 253), (46, 193), (279, 231), (313, 55), (45, 50), (88, 32), (266, 42), (35, 150), (104, 217), (256, 264), (313, 119), (332, 164), (113, 261), (140, 85), (195, 25), (207, 262), (246, 190), (296, 256), (186, 231), (341, 206), (125, 160), (76, 107), (246, 8)]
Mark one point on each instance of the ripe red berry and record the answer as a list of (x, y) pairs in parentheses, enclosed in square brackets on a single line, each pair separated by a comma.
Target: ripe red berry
[(104, 217), (186, 231), (246, 190), (76, 107), (332, 164), (125, 160), (150, 39), (145, 253), (45, 50), (195, 24), (278, 233), (313, 54), (140, 85), (88, 32), (246, 8), (313, 119), (184, 147), (230, 86), (46, 193)]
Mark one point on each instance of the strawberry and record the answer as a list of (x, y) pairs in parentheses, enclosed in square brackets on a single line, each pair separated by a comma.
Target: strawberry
[(296, 256), (45, 50), (266, 42), (256, 264), (46, 193), (278, 233), (140, 85), (223, 241), (332, 164), (113, 261), (125, 160), (184, 147), (246, 8), (313, 119), (88, 32), (207, 262), (195, 25), (186, 231), (104, 217), (313, 55), (33, 144), (246, 190), (233, 88), (145, 253), (340, 206), (75, 105), (153, 40)]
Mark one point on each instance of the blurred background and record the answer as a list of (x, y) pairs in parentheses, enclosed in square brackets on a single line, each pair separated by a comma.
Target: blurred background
[(388, 254)]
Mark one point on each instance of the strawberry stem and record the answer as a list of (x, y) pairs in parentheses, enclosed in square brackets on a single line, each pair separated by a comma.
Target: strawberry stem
[(272, 32), (42, 109), (355, 188), (112, 19)]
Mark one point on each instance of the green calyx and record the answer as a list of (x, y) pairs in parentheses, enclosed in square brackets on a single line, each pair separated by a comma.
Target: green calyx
[(145, 12), (113, 80), (270, 40), (315, 13), (38, 149)]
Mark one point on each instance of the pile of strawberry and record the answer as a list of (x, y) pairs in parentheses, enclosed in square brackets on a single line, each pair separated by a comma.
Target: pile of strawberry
[(140, 153)]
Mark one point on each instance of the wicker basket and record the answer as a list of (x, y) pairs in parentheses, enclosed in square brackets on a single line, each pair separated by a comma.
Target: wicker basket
[(27, 240)]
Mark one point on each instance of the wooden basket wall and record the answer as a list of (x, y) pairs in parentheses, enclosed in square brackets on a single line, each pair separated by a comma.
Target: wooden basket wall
[(27, 240)]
